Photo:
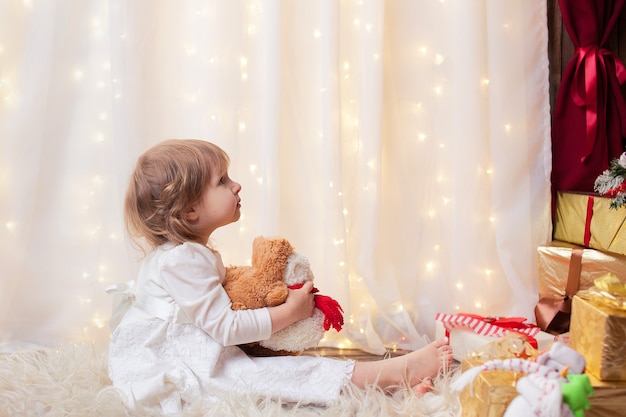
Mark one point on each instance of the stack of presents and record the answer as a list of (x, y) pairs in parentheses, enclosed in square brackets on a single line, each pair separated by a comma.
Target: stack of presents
[(572, 362)]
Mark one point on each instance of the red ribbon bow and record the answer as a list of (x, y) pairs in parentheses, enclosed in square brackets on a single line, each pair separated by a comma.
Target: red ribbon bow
[(585, 94), (333, 313)]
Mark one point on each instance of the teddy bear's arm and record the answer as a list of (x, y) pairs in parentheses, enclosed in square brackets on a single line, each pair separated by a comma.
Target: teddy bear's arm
[(277, 294)]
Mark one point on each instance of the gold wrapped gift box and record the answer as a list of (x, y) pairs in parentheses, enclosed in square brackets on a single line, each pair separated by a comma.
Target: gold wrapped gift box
[(563, 270), (494, 390), (587, 220), (598, 333), (554, 264)]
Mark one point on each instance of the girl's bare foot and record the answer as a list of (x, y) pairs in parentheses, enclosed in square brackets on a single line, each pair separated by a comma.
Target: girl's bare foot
[(412, 369), (428, 361)]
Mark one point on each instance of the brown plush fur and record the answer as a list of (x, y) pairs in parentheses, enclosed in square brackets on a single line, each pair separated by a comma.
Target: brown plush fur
[(260, 285)]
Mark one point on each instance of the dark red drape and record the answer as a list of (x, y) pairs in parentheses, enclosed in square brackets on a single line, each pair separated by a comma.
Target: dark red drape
[(589, 117)]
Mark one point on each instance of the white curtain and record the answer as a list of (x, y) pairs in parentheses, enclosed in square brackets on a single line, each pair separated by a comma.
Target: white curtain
[(403, 146)]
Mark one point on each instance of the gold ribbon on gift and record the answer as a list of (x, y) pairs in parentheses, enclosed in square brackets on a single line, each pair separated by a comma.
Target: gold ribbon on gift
[(609, 291)]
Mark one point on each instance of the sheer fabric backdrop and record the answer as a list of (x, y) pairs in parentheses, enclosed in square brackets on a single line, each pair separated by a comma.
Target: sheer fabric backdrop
[(402, 146)]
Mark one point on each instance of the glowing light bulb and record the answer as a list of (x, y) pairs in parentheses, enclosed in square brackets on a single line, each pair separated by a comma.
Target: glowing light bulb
[(84, 300), (99, 321)]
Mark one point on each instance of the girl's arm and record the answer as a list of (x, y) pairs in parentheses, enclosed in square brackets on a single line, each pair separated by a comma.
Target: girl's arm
[(298, 306), (189, 273)]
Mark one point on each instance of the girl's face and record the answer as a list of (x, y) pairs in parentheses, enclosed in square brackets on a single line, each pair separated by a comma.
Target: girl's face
[(219, 205)]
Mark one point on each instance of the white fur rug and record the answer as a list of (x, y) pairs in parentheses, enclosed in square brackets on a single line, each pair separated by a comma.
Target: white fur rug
[(72, 380)]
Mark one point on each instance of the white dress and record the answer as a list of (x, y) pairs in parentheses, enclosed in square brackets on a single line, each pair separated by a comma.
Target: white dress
[(176, 343)]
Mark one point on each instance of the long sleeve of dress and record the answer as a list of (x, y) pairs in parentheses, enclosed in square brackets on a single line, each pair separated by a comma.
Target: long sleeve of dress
[(193, 276)]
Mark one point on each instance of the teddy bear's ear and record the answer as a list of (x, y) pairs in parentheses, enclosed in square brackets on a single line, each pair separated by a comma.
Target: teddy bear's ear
[(259, 240)]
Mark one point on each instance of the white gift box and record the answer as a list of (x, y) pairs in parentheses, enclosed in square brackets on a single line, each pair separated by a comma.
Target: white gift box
[(466, 343)]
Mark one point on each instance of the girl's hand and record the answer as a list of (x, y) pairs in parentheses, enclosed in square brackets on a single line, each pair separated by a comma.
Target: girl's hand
[(301, 302), (298, 306)]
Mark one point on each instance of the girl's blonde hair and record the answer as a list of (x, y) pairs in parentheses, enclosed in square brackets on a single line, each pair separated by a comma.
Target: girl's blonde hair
[(168, 179)]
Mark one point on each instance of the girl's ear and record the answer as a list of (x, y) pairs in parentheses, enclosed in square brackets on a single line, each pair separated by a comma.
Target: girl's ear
[(191, 214)]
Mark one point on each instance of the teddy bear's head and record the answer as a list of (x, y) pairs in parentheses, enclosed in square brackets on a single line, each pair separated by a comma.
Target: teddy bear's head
[(270, 256), (261, 284)]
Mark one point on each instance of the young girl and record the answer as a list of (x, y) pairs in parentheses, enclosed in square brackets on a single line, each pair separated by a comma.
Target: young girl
[(177, 342)]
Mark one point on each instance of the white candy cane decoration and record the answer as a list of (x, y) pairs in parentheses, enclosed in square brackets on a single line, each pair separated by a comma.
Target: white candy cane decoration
[(513, 364)]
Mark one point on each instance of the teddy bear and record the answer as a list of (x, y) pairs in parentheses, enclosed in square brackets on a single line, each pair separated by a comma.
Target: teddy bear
[(275, 268)]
